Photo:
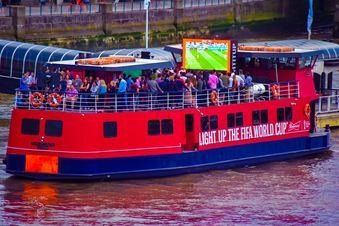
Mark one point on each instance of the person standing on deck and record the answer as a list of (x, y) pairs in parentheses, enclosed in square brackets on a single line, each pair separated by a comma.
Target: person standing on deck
[(122, 97), (213, 80)]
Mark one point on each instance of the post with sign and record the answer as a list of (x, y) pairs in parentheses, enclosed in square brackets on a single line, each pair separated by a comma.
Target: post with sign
[(146, 6)]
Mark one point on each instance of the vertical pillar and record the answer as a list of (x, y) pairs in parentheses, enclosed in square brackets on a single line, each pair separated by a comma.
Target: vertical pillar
[(237, 11), (336, 20), (178, 8), (106, 10), (18, 16)]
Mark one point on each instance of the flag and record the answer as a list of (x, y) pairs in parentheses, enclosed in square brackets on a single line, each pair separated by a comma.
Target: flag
[(310, 17)]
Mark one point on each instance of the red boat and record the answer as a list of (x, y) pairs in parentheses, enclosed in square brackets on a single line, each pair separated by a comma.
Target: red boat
[(137, 135)]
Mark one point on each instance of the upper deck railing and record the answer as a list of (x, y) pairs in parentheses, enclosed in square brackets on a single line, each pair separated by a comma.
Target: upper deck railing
[(146, 101)]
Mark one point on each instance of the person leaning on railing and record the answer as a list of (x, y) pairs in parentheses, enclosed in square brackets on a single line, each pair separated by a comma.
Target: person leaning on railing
[(72, 95)]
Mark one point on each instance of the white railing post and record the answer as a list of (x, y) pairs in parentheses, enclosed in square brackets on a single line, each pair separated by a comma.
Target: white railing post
[(228, 97), (269, 91), (133, 102), (319, 105), (168, 101), (95, 103), (80, 104), (208, 104), (151, 101), (116, 102), (196, 99), (183, 99), (328, 103), (64, 102)]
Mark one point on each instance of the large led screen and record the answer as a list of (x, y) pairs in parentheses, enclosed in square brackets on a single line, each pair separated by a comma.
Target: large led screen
[(207, 54)]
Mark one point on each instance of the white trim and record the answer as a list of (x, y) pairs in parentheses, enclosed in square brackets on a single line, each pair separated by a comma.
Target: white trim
[(11, 72), (65, 54), (23, 62), (50, 56), (5, 76), (93, 152), (4, 48), (37, 57)]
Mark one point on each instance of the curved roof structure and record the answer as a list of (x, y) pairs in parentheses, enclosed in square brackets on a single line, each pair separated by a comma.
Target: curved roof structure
[(155, 53), (19, 57), (325, 50)]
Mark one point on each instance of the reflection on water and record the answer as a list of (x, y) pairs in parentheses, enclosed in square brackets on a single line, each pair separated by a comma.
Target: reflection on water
[(302, 191)]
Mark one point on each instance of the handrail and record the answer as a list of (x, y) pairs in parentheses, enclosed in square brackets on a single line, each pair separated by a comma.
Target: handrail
[(328, 104), (147, 101)]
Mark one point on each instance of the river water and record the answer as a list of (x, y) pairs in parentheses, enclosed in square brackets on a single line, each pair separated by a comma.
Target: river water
[(295, 192)]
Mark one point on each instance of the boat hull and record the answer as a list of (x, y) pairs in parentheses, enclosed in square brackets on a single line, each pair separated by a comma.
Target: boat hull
[(175, 164)]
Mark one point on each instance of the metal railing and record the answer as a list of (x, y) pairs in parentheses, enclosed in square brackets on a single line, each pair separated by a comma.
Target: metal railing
[(5, 11), (328, 104), (203, 3), (145, 101), (139, 5), (64, 9)]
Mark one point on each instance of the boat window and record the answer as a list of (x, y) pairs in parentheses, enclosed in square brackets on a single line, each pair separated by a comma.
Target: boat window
[(214, 122), (30, 126), (239, 120), (153, 127), (263, 116), (204, 123), (110, 129), (189, 123), (167, 126), (280, 115), (255, 117), (53, 128), (288, 114), (230, 120)]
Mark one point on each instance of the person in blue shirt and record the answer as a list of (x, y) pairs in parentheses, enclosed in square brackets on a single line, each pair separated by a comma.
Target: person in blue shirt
[(122, 96), (24, 82)]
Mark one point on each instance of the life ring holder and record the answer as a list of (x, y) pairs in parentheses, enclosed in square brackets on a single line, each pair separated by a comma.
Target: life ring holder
[(275, 90), (307, 111), (54, 100), (36, 99), (214, 97)]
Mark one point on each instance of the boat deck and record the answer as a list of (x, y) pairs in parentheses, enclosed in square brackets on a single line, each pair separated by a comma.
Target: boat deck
[(141, 101)]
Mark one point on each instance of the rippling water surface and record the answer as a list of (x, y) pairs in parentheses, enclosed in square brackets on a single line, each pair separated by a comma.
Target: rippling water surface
[(296, 192)]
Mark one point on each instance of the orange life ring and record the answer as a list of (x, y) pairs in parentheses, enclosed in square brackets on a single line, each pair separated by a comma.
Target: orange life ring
[(275, 90), (54, 100), (214, 97), (36, 99), (307, 110)]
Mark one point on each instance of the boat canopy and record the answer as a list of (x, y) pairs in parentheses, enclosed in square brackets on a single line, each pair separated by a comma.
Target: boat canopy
[(141, 64), (304, 48), (17, 57), (154, 53)]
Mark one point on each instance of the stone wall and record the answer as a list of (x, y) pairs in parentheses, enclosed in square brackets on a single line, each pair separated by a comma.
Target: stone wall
[(127, 28)]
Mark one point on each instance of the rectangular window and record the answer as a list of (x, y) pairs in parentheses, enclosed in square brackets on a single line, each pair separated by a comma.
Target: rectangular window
[(110, 129), (280, 115), (204, 123), (53, 128), (167, 126), (153, 127), (264, 116), (189, 123), (255, 117), (239, 120), (288, 114), (213, 122), (230, 120), (30, 126)]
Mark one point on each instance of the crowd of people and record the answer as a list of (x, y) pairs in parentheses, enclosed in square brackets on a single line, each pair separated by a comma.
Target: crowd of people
[(156, 82)]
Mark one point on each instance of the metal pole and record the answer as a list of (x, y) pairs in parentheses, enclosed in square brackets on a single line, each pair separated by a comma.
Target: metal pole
[(146, 38)]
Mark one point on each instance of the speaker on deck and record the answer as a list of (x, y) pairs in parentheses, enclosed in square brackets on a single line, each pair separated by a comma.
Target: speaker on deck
[(145, 55)]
